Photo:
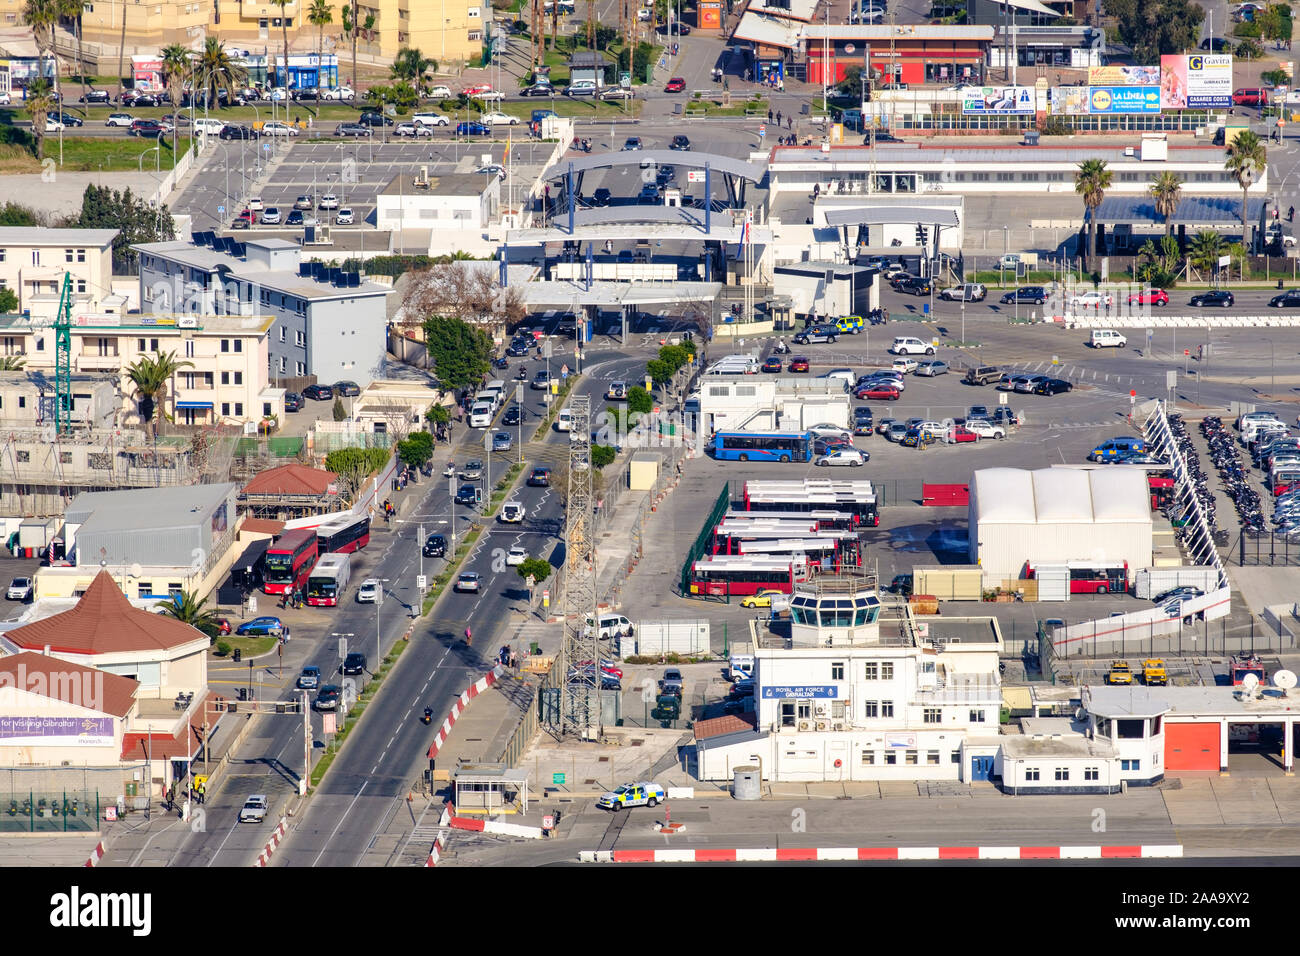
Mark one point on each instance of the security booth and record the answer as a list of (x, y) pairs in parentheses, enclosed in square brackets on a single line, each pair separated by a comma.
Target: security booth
[(588, 65), (489, 788)]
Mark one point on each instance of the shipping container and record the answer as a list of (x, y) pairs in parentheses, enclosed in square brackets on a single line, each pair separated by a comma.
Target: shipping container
[(683, 636), (957, 583), (1148, 582), (37, 533)]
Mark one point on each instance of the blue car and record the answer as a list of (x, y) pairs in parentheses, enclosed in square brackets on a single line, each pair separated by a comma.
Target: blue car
[(260, 625), (472, 129)]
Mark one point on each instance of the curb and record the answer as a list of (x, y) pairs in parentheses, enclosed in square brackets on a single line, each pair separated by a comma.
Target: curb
[(810, 854), (96, 854), (277, 837), (478, 687)]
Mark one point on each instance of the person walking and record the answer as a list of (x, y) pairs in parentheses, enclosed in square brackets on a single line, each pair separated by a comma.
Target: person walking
[(769, 116), (778, 118)]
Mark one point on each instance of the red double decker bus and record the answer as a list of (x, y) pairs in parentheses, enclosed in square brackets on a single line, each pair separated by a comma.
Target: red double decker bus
[(343, 535), (289, 561)]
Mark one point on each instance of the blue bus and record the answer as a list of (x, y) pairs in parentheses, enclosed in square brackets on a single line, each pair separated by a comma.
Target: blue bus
[(763, 446)]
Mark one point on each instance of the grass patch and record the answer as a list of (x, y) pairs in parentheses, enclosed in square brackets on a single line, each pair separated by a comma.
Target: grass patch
[(557, 403), (502, 487), (440, 582), (90, 154), (996, 279), (248, 646)]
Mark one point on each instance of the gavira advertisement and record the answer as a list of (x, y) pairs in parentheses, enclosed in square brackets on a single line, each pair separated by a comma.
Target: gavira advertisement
[(1198, 81), (1123, 76), (998, 100)]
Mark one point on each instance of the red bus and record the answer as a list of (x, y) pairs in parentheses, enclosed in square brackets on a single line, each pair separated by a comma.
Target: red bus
[(289, 561), (1095, 577), (343, 535), (720, 575)]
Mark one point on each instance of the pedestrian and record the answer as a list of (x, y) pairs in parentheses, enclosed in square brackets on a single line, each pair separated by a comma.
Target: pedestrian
[(778, 117), (769, 116)]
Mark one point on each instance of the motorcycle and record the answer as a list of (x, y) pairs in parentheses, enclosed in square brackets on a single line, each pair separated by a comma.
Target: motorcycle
[(781, 348), (523, 374), (450, 470), (500, 362), (428, 716)]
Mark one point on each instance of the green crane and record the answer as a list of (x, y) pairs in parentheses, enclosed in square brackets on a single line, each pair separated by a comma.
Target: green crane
[(63, 359)]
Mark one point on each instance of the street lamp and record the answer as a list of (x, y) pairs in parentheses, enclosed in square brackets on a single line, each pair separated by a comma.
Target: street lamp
[(379, 602)]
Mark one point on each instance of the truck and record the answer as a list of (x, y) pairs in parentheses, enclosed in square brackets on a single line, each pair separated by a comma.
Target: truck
[(740, 666), (1244, 664), (1119, 673), (1153, 672)]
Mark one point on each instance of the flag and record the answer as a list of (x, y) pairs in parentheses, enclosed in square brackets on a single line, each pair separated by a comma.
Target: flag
[(745, 237), (507, 155)]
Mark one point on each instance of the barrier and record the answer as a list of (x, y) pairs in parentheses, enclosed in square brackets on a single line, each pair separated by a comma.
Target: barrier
[(941, 853), (478, 687), (1122, 321), (277, 837)]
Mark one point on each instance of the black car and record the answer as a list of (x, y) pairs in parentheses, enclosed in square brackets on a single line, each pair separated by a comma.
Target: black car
[(301, 95), (292, 402), (318, 393), (901, 584), (649, 194), (97, 96), (518, 349), (680, 142), (601, 197), (881, 137), (1052, 386), (1219, 297), (538, 89), (677, 29), (435, 546), (142, 99), (465, 494), (863, 421), (1034, 294), (235, 131), (540, 478), (351, 129), (371, 118), (1214, 44), (294, 218), (513, 416), (67, 119), (347, 389), (1289, 299), (354, 663)]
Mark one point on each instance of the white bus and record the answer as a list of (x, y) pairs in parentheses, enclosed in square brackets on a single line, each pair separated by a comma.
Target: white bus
[(328, 579)]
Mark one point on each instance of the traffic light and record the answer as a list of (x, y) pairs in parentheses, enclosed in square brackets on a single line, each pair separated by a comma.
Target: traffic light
[(921, 235)]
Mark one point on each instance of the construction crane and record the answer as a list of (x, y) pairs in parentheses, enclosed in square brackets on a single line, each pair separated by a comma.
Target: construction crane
[(62, 326)]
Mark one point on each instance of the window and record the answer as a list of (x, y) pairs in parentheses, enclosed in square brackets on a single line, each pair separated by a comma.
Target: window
[(909, 758), (239, 378), (3, 254), (1130, 729), (283, 363), (225, 345), (1130, 765), (1062, 773), (302, 368), (189, 348), (871, 671), (282, 334), (81, 255), (931, 715), (887, 670), (239, 409), (300, 339), (24, 457), (36, 257), (1031, 773), (787, 713), (474, 34), (886, 708), (239, 345), (67, 255), (144, 588), (225, 408), (837, 670), (1006, 177), (977, 716), (261, 23), (870, 709), (891, 757), (839, 709), (22, 401), (868, 758), (266, 409), (225, 378), (956, 756), (65, 458), (932, 757), (1091, 773)]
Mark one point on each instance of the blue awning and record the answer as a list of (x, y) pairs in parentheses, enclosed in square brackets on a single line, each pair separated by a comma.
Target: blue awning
[(197, 406)]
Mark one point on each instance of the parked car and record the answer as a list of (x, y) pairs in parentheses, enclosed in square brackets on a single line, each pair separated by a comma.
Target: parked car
[(985, 429), (339, 93), (472, 129), (371, 118), (292, 400), (20, 589), (772, 364), (497, 118), (1032, 294), (960, 434), (344, 217), (643, 794), (882, 392), (236, 131), (798, 364), (905, 365), (680, 143), (618, 93), (318, 393), (260, 626), (1027, 383), (1149, 297), (1052, 386), (277, 128), (355, 129), (844, 456), (631, 144), (931, 369), (1184, 593), (96, 96), (120, 120)]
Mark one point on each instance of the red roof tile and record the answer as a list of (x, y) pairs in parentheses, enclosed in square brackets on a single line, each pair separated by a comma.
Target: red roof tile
[(69, 683), (104, 622), (291, 480), (730, 724), (261, 526)]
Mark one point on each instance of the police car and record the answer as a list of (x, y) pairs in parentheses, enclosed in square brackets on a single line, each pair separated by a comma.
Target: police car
[(632, 795)]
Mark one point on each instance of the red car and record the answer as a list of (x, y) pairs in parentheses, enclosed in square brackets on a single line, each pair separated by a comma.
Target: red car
[(223, 626), (1149, 297), (675, 85), (478, 89), (798, 364), (1248, 97), (960, 434), (772, 365), (885, 392), (249, 216)]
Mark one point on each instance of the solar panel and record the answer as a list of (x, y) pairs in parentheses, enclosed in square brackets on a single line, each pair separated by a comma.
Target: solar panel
[(318, 270), (239, 248), (196, 238), (304, 268), (334, 275), (354, 280)]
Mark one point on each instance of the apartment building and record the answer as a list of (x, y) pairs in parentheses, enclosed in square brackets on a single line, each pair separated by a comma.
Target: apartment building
[(229, 354), (325, 323), (33, 261)]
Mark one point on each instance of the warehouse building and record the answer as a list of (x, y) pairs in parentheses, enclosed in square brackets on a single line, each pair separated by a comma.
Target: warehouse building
[(1022, 520)]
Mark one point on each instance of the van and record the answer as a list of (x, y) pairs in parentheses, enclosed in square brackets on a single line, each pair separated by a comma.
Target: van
[(1114, 448), (480, 415), (1107, 338), (211, 127), (741, 667), (845, 375), (849, 323), (611, 626), (564, 420), (982, 374), (486, 397)]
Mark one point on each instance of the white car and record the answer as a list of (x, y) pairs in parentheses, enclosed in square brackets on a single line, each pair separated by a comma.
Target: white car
[(843, 456), (368, 593), (496, 118), (985, 429), (20, 589), (254, 809), (910, 345), (120, 119), (328, 201), (643, 14), (344, 217), (430, 119), (276, 128), (5, 99), (1090, 300), (516, 556), (279, 94), (905, 365), (513, 512), (643, 794), (339, 93), (52, 125), (490, 96), (827, 430), (255, 205), (440, 91), (272, 217), (467, 581), (413, 130)]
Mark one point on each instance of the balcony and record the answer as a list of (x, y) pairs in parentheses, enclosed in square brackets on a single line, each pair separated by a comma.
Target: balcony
[(94, 362)]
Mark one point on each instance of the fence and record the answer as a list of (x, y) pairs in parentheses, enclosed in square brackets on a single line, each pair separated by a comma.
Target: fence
[(701, 543), (1265, 548), (1155, 630), (58, 799)]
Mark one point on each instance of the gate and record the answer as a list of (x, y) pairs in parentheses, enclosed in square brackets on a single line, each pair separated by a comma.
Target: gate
[(1255, 550), (945, 496)]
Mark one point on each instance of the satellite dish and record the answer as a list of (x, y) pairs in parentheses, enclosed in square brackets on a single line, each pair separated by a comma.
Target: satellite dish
[(1285, 680), (1248, 684), (1080, 714), (136, 570)]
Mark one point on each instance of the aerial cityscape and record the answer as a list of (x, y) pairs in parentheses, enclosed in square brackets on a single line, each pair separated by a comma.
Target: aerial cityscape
[(802, 432)]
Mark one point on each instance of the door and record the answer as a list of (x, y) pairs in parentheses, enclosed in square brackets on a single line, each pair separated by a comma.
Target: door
[(1191, 746), (980, 768)]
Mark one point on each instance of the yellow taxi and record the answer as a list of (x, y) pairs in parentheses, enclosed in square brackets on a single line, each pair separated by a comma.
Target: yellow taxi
[(764, 597)]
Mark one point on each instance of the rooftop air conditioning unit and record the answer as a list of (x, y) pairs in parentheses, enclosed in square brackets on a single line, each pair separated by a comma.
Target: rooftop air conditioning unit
[(803, 725), (838, 725), (821, 725)]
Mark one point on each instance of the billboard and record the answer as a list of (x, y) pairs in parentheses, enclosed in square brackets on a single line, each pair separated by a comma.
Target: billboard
[(56, 731), (1197, 81), (997, 100), (1104, 100), (1123, 76)]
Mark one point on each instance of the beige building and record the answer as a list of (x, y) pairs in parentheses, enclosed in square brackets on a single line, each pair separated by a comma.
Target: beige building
[(229, 353), (33, 261)]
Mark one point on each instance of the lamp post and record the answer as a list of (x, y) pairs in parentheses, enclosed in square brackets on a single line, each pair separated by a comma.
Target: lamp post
[(379, 602), (451, 495), (342, 654)]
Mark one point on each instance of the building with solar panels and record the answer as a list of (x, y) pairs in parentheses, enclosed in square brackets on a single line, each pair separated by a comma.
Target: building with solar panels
[(328, 325), (1124, 223)]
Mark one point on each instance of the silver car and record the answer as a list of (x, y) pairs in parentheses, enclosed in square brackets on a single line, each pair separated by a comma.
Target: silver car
[(931, 369), (473, 470)]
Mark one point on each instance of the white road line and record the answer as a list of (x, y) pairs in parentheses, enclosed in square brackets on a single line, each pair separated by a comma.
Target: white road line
[(343, 817), (223, 844)]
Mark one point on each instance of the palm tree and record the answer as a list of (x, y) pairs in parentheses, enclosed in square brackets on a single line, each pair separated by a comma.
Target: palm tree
[(150, 375), (413, 66), (219, 71), (1206, 247), (175, 64), (186, 607), (284, 32), (12, 363), (352, 29), (1247, 159), (320, 15), (72, 10), (1091, 182), (41, 16), (38, 105), (1166, 189)]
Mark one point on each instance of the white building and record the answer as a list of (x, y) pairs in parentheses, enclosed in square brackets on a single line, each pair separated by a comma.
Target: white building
[(849, 699), (453, 210), (1054, 516), (770, 403), (33, 261)]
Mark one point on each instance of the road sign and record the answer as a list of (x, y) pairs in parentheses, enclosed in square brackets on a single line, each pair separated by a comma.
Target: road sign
[(762, 129), (1171, 379), (221, 210), (1056, 360), (695, 176), (557, 779), (546, 599), (530, 580), (421, 581), (328, 724), (1132, 393), (1187, 352), (564, 369)]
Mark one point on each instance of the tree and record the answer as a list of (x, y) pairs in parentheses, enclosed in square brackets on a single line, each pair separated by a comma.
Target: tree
[(1166, 190), (12, 214), (1153, 27), (536, 568), (660, 372), (41, 17), (1091, 182), (465, 290), (340, 413), (38, 105), (412, 66), (354, 465), (186, 607), (641, 58), (134, 219), (10, 363), (416, 450), (1275, 24), (602, 455), (284, 33), (353, 29), (460, 353), (320, 16), (1158, 264), (218, 70), (150, 375), (175, 64), (1206, 247), (1247, 159), (438, 414), (639, 401)]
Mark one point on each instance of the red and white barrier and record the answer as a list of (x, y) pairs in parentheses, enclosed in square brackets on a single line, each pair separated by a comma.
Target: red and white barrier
[(478, 687), (277, 837), (96, 854), (883, 853), (435, 853)]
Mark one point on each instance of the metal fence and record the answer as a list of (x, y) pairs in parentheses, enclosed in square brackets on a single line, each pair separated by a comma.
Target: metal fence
[(701, 543), (1221, 636), (51, 811), (1257, 550)]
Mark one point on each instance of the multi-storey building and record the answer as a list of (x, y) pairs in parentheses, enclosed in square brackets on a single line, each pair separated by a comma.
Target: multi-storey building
[(33, 261)]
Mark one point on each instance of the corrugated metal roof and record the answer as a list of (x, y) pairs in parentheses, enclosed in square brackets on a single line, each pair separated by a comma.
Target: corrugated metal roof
[(896, 213), (903, 31), (1192, 210), (1011, 154), (793, 9), (768, 31)]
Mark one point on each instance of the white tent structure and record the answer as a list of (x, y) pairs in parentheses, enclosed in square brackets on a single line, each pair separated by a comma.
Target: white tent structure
[(1055, 516)]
